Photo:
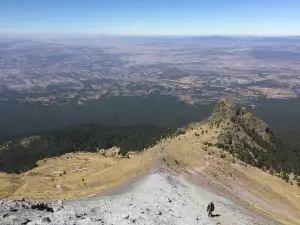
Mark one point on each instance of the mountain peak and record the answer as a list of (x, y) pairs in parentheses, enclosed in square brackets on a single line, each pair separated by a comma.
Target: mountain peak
[(246, 136), (226, 109)]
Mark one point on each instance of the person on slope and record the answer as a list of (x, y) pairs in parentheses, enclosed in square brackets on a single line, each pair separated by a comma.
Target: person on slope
[(210, 209)]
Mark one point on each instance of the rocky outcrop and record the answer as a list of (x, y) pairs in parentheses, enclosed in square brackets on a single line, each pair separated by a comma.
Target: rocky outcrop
[(246, 136)]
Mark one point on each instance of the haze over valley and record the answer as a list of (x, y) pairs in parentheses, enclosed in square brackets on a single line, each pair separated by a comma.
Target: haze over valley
[(194, 70)]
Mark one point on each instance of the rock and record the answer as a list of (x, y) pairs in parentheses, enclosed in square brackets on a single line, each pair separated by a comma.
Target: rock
[(79, 214), (25, 206), (98, 220), (127, 217), (25, 221), (5, 215), (59, 202), (160, 213), (60, 208), (169, 200), (13, 210), (46, 220), (12, 217), (42, 207)]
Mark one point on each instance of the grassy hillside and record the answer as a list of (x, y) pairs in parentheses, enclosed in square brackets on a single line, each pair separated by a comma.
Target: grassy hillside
[(243, 135), (189, 154), (21, 154)]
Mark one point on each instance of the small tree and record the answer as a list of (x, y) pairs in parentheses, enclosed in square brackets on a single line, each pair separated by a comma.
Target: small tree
[(285, 177)]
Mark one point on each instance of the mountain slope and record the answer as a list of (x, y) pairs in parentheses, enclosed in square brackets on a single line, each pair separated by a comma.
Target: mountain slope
[(162, 197), (21, 154), (249, 139), (193, 154)]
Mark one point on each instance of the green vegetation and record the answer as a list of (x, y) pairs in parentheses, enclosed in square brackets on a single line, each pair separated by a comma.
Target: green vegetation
[(282, 116), (22, 154), (253, 143), (248, 139), (18, 119), (117, 116)]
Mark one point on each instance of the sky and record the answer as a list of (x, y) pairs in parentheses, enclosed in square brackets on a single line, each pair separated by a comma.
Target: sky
[(152, 17)]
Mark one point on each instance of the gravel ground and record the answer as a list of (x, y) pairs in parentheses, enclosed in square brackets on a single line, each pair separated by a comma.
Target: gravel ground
[(160, 198)]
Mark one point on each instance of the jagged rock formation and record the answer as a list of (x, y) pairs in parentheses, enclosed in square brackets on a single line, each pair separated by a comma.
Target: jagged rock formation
[(249, 139)]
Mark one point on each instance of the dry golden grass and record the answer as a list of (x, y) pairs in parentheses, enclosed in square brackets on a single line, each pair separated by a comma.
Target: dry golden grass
[(85, 174), (282, 198), (48, 180), (9, 184), (262, 191)]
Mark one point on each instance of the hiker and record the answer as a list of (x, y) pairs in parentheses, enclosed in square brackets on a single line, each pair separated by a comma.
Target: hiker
[(210, 209)]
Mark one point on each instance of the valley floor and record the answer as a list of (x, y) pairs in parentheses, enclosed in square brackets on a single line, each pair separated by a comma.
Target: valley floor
[(159, 198)]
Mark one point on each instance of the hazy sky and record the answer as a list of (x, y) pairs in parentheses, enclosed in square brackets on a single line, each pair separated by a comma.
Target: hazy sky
[(152, 17)]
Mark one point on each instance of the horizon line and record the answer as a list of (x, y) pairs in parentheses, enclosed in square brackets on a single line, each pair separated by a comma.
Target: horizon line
[(58, 35)]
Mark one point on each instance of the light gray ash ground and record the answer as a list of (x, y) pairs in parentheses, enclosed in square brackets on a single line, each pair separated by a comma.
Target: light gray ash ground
[(159, 198)]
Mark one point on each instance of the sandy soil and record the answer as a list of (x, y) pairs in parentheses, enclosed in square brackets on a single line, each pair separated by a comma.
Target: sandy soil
[(159, 198)]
